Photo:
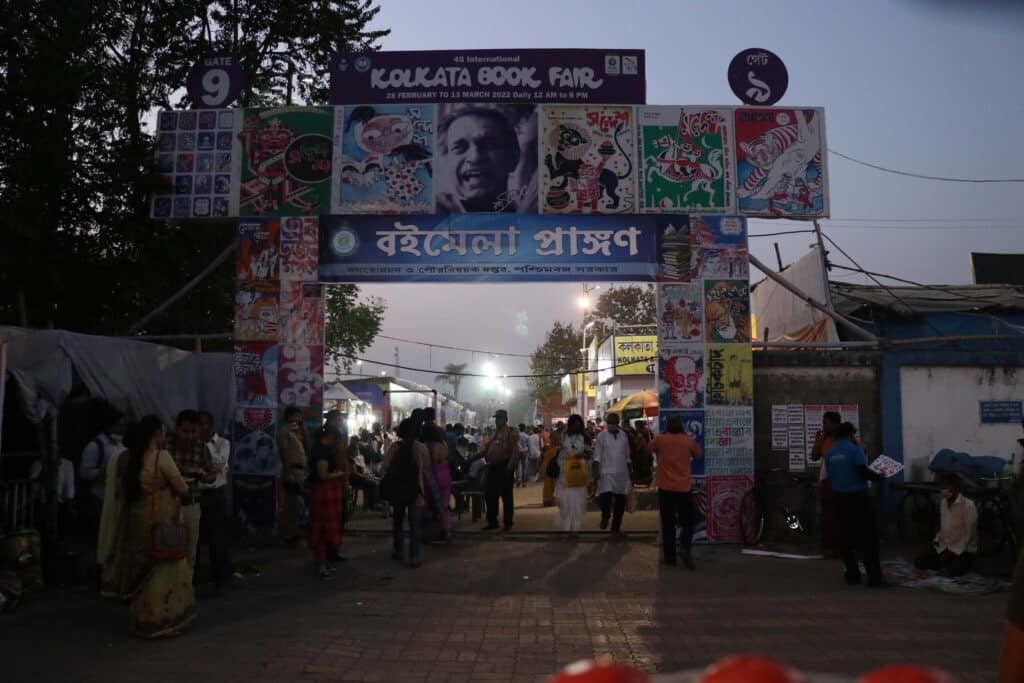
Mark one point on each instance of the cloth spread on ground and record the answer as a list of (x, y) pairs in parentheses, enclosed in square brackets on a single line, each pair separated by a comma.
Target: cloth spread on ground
[(904, 574)]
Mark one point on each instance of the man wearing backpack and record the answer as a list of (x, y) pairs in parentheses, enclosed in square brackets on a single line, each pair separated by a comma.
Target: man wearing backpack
[(402, 486), (502, 454)]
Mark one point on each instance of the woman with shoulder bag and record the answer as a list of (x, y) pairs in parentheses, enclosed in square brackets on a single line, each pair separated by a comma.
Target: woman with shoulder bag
[(573, 478), (147, 562)]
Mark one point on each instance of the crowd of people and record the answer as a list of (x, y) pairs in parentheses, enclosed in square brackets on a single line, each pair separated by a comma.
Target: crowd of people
[(155, 498)]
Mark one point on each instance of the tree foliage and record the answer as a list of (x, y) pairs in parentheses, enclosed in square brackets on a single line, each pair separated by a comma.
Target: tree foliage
[(557, 356), (80, 82), (452, 376), (352, 323), (621, 307)]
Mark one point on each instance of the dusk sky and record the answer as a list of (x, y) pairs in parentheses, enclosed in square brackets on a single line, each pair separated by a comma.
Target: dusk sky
[(926, 87)]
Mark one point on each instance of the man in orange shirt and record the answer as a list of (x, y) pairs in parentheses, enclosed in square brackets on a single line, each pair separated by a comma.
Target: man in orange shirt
[(673, 477)]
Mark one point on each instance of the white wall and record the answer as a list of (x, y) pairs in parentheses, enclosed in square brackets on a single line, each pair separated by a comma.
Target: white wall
[(941, 410)]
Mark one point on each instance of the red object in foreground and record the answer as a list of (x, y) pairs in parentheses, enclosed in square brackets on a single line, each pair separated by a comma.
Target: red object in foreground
[(749, 669), (602, 671), (906, 673)]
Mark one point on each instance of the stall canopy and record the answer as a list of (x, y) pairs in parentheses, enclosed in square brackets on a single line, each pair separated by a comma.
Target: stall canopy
[(640, 404), (139, 378)]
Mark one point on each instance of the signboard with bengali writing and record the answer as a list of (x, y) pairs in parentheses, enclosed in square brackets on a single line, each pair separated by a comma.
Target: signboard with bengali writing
[(540, 75), (1001, 412), (635, 355)]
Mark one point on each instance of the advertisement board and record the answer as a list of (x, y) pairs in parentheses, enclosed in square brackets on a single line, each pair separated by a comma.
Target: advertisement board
[(635, 355), (538, 75)]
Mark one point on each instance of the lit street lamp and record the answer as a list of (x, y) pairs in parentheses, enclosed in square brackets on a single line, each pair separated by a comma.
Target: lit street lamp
[(584, 303)]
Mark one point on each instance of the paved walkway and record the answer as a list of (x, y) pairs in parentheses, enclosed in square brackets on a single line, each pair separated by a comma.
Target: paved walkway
[(493, 609)]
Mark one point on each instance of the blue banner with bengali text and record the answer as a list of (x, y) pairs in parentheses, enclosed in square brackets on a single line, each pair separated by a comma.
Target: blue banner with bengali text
[(488, 247)]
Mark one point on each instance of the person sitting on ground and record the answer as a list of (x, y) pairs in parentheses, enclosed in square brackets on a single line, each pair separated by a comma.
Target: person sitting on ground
[(952, 550), (360, 476)]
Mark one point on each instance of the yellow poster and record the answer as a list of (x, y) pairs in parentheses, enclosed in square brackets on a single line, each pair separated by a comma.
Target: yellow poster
[(729, 375), (636, 355)]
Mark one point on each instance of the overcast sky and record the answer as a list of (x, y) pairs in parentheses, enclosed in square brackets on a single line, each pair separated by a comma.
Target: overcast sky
[(922, 86)]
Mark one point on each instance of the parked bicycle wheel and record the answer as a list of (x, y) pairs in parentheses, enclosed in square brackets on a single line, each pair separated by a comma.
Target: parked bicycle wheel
[(753, 518), (918, 518), (995, 528)]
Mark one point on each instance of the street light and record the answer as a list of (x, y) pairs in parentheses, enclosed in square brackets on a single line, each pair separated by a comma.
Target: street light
[(584, 303)]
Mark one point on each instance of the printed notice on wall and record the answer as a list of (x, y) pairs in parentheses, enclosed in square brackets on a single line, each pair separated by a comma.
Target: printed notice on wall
[(780, 427), (795, 429), (814, 412)]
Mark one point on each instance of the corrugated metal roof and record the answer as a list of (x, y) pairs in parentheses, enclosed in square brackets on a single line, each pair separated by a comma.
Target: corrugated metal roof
[(907, 301)]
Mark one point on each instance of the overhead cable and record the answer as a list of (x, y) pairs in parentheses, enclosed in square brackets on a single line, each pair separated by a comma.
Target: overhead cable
[(923, 176)]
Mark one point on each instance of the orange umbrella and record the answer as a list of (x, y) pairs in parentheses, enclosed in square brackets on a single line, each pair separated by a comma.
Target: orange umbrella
[(641, 403)]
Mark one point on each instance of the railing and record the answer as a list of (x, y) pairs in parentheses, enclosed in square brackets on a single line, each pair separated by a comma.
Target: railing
[(17, 510)]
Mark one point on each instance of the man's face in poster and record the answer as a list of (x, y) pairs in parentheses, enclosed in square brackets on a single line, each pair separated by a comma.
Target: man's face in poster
[(481, 151)]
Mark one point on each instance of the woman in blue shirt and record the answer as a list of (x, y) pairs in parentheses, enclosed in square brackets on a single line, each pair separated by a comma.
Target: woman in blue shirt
[(848, 470)]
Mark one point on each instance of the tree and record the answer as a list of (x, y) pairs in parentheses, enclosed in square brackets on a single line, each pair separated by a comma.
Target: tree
[(80, 81), (559, 355), (351, 323), (452, 376), (633, 305)]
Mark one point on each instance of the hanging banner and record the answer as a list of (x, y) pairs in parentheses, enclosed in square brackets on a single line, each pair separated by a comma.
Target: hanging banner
[(487, 247), (600, 76)]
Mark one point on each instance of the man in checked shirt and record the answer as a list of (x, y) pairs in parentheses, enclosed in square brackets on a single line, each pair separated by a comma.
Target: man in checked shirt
[(196, 465)]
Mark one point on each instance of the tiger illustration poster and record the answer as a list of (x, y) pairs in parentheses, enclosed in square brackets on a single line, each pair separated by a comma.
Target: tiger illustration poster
[(687, 160), (781, 163), (681, 312), (384, 159), (727, 311), (588, 161)]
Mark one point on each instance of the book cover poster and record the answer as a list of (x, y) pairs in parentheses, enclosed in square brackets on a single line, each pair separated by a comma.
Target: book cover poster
[(674, 251), (727, 311), (693, 426), (680, 376), (385, 159), (487, 158), (257, 311), (301, 313), (255, 374), (286, 161), (589, 163), (300, 376), (729, 439), (681, 312), (258, 255), (724, 495), (718, 246), (300, 248), (687, 160), (253, 444), (781, 163), (730, 375)]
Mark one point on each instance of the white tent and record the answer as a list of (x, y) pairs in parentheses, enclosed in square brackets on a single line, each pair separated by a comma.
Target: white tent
[(138, 378)]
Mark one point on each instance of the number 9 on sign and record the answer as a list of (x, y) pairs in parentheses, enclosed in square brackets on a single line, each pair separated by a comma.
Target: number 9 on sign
[(215, 81)]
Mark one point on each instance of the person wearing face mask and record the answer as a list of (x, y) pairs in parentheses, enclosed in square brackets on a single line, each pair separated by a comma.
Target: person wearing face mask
[(611, 471), (291, 448), (501, 454)]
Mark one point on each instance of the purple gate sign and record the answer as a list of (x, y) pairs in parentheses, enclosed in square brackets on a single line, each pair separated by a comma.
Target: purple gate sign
[(536, 76), (758, 77), (215, 81)]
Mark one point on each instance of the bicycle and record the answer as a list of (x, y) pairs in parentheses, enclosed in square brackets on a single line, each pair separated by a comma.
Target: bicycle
[(764, 500), (996, 529), (919, 512)]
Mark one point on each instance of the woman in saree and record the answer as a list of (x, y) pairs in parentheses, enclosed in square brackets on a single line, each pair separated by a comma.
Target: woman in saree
[(144, 487), (550, 453), (437, 524)]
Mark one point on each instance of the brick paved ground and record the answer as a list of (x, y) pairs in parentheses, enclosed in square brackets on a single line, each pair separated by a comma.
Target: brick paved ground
[(508, 610)]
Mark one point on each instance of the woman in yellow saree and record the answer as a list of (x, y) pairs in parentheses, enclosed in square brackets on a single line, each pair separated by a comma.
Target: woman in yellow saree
[(144, 488)]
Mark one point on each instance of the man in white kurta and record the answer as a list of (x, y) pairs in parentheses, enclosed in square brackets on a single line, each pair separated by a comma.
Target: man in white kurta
[(611, 464)]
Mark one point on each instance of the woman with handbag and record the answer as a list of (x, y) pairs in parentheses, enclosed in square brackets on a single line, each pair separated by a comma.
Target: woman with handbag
[(573, 478), (148, 559), (437, 524)]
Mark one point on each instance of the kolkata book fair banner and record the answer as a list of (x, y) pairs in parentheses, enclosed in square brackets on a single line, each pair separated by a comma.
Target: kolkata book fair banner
[(488, 247), (278, 352), (543, 75), (198, 159), (705, 362), (686, 160)]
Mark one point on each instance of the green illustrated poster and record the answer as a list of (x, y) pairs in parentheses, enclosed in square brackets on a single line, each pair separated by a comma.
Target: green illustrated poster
[(687, 160), (286, 161)]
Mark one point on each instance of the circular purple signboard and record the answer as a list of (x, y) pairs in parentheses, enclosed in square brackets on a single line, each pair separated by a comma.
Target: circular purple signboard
[(758, 77), (215, 81)]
